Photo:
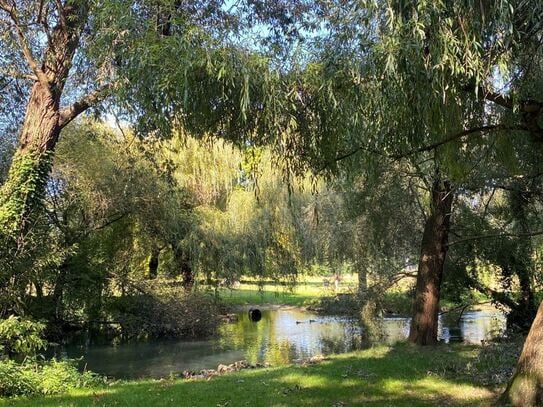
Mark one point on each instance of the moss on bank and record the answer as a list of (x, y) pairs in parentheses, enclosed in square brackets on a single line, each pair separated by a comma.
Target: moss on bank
[(382, 376)]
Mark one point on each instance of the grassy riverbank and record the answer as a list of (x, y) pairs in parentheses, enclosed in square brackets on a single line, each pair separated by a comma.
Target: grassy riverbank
[(307, 291), (383, 376)]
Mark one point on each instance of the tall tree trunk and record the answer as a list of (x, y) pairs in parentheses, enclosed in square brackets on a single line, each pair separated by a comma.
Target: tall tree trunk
[(520, 261), (25, 186), (526, 387), (424, 323)]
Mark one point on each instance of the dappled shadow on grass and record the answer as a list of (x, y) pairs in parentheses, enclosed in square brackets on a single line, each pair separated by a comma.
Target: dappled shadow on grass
[(396, 376)]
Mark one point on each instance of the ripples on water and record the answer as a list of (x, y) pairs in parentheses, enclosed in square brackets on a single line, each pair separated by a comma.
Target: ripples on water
[(281, 337)]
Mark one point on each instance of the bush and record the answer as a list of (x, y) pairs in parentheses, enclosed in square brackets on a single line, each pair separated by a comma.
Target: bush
[(52, 377), (15, 380), (21, 337), (165, 312), (60, 376)]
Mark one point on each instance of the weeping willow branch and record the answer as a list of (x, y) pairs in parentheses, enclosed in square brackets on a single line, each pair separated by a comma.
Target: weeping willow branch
[(496, 235), (473, 131), (461, 135)]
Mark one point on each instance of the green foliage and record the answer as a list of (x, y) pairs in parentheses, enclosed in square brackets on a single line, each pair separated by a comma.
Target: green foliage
[(16, 380), (60, 376), (21, 337), (28, 175), (53, 377)]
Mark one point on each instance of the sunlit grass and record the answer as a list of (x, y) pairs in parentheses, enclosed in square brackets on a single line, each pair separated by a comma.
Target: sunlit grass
[(306, 291), (382, 376)]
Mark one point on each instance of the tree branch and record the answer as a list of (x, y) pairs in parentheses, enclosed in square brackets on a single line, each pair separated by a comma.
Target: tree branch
[(497, 98), (496, 235), (69, 113), (525, 106), (458, 136), (18, 75), (23, 42)]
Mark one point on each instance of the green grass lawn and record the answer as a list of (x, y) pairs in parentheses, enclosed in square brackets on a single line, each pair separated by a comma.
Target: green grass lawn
[(307, 291), (383, 376)]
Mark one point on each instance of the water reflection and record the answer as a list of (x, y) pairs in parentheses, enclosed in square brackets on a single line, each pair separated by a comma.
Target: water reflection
[(282, 336)]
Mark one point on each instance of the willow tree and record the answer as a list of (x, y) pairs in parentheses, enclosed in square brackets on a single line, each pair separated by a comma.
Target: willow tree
[(73, 54), (478, 51), (358, 106), (161, 63)]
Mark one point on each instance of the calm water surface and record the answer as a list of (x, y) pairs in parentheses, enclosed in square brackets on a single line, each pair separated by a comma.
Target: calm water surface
[(282, 336)]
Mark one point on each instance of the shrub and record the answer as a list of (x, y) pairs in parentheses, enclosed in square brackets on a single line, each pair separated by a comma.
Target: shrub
[(21, 337), (166, 312), (60, 376), (52, 377), (15, 380)]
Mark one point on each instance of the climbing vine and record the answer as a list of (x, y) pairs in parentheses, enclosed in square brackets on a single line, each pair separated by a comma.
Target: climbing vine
[(23, 189)]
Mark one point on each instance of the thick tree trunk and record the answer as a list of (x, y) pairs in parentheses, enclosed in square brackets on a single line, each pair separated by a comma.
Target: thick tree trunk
[(28, 174), (424, 323), (25, 186), (526, 387), (362, 281)]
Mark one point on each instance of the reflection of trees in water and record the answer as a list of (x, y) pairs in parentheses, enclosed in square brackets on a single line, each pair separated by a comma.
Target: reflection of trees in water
[(249, 336), (342, 337), (282, 336), (280, 353)]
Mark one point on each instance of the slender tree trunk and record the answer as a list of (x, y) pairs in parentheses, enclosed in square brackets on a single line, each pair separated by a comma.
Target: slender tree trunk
[(424, 323), (182, 261), (58, 292), (526, 387), (520, 261), (153, 263)]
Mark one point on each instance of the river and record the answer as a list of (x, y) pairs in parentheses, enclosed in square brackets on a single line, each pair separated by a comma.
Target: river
[(282, 336)]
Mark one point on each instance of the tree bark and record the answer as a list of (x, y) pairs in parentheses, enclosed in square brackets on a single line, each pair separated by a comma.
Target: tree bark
[(362, 281), (526, 387), (27, 178), (424, 323), (521, 262)]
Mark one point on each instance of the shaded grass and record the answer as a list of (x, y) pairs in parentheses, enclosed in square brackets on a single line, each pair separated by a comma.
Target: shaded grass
[(382, 376)]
